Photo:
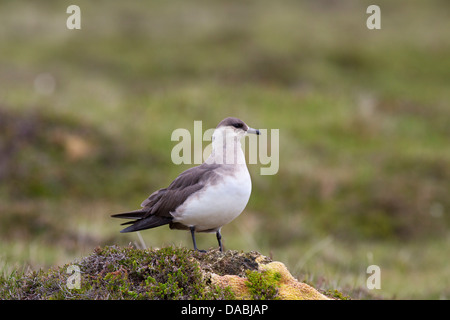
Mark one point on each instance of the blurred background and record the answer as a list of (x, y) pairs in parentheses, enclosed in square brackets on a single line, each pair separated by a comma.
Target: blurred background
[(86, 118)]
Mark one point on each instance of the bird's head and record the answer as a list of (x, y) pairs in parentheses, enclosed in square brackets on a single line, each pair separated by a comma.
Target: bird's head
[(234, 127)]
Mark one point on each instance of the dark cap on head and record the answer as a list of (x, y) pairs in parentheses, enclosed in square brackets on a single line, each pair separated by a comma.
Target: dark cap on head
[(236, 123)]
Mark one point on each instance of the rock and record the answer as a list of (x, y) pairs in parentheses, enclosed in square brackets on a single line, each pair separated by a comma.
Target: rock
[(289, 287), (167, 273), (238, 285), (285, 286)]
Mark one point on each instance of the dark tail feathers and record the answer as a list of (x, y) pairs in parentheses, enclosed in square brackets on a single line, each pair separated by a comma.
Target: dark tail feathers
[(141, 223)]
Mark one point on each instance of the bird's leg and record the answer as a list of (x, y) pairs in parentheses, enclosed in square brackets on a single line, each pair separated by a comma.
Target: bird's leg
[(193, 239), (219, 239)]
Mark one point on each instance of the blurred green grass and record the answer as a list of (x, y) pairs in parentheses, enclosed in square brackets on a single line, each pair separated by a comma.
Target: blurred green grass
[(363, 117)]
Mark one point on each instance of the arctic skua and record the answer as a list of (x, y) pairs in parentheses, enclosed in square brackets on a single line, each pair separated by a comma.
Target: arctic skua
[(206, 197)]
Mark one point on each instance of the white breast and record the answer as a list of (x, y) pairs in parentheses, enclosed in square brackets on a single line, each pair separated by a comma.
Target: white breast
[(217, 204)]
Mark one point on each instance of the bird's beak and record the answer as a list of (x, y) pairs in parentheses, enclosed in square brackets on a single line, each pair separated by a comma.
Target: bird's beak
[(254, 131)]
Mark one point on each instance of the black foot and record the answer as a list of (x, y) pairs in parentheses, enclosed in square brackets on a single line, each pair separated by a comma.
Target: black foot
[(193, 240)]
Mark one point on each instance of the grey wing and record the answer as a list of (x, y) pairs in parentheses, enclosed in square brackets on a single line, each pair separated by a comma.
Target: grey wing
[(165, 201), (156, 209)]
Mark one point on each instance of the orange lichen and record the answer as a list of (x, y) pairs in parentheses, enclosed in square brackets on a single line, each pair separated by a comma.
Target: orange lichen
[(235, 283), (276, 272), (289, 287)]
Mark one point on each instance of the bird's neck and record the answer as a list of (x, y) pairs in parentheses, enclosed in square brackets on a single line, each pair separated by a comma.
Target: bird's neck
[(226, 149)]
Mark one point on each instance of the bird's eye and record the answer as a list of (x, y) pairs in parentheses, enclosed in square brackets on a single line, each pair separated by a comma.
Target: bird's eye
[(238, 125)]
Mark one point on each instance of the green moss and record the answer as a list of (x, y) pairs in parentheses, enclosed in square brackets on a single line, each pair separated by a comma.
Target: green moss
[(119, 273), (263, 285), (335, 294), (170, 273)]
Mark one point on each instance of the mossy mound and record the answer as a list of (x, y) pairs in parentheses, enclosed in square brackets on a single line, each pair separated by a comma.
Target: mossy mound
[(167, 273)]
